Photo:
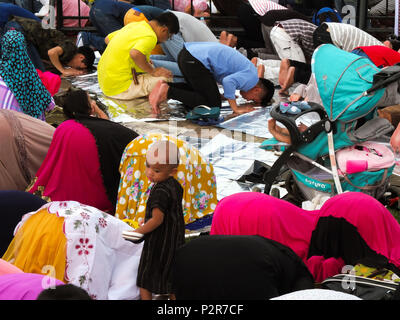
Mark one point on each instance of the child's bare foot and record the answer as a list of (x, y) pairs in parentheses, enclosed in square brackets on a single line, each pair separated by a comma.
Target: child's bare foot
[(158, 95)]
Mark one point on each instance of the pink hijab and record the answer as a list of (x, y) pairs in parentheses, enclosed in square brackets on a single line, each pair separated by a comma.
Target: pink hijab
[(257, 213), (254, 213), (8, 268), (71, 169), (25, 286)]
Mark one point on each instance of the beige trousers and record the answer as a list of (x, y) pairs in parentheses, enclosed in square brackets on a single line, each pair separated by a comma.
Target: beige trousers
[(146, 84)]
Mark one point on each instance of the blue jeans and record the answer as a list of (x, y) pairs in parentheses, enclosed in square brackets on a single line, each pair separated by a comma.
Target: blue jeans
[(169, 60), (94, 40), (108, 16), (150, 12), (30, 5), (162, 4)]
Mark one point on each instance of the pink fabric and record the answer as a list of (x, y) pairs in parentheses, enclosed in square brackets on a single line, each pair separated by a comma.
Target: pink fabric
[(71, 169), (51, 81), (257, 213), (254, 213), (180, 5), (7, 268), (25, 286), (322, 268)]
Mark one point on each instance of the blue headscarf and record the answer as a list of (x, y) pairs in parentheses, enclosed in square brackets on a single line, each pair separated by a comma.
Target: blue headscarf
[(20, 75)]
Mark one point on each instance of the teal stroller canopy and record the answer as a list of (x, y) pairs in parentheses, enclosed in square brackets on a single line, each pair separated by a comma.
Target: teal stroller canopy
[(343, 79)]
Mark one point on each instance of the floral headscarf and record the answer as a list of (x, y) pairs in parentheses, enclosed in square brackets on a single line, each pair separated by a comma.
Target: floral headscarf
[(20, 75)]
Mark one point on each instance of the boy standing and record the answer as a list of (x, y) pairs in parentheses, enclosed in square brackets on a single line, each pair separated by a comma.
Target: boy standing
[(164, 226)]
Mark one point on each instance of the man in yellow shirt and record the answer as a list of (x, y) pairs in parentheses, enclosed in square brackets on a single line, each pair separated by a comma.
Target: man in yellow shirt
[(124, 71)]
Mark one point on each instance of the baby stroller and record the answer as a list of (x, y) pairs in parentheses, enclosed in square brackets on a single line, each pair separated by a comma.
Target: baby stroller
[(351, 89)]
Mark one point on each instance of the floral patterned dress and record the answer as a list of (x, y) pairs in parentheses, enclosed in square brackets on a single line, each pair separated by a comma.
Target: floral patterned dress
[(89, 242), (195, 175)]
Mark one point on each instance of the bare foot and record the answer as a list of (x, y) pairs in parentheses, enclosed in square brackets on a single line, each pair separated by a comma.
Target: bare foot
[(283, 71), (223, 37), (231, 40), (261, 71), (287, 83), (158, 95)]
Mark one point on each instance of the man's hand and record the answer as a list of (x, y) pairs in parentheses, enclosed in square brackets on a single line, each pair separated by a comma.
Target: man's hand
[(280, 134), (245, 108), (161, 72), (72, 72)]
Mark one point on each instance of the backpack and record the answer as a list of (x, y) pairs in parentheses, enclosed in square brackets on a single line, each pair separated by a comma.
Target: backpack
[(366, 283), (326, 14)]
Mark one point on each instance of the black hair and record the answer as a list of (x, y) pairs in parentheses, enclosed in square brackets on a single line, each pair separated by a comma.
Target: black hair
[(169, 20), (64, 292), (269, 87), (89, 56), (395, 41), (75, 102), (321, 35)]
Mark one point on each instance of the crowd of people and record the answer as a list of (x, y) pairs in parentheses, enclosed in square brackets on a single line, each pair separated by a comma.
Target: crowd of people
[(68, 192)]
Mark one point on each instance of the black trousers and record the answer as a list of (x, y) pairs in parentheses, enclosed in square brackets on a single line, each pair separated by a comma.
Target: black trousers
[(200, 87), (302, 71), (250, 22)]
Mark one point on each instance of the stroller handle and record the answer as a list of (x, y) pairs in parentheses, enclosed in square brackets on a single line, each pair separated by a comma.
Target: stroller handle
[(289, 121)]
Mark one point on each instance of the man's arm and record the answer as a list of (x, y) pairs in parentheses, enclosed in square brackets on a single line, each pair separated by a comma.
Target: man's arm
[(141, 61), (240, 109), (54, 56)]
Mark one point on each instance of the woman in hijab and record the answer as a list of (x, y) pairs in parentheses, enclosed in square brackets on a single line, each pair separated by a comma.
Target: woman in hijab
[(321, 237), (20, 86), (237, 268), (80, 245), (83, 158), (24, 144)]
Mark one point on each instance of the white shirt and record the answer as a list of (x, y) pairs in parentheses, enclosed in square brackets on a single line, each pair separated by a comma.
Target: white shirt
[(192, 29), (347, 37)]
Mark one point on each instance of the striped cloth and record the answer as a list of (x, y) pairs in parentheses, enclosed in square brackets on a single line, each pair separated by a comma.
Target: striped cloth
[(347, 37), (7, 98), (261, 7), (301, 32), (9, 102)]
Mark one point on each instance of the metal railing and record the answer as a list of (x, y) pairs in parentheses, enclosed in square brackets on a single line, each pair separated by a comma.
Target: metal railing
[(212, 20), (355, 12)]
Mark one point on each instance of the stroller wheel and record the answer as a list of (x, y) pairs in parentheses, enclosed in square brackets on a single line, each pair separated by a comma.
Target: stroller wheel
[(275, 193)]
